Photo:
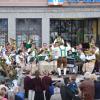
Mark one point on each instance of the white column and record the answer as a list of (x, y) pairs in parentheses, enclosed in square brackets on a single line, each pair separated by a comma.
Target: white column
[(45, 30), (11, 28)]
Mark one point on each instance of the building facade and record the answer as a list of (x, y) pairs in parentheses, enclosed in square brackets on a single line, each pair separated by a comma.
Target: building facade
[(42, 20)]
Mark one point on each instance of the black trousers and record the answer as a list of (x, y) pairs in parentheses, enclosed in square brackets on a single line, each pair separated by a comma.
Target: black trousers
[(39, 95), (26, 94), (47, 95)]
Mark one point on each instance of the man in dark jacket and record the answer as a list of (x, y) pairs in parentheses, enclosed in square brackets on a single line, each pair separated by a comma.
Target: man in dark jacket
[(38, 87), (47, 82), (97, 89), (27, 83)]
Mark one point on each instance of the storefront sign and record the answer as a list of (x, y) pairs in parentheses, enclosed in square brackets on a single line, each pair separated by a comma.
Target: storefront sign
[(55, 2)]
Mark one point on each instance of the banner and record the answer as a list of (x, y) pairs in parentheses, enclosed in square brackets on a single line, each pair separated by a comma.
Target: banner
[(55, 2)]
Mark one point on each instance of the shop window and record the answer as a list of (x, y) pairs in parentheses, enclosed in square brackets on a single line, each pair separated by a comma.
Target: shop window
[(28, 29), (75, 31), (3, 31)]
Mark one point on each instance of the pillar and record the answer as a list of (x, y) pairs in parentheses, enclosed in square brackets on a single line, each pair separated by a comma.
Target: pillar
[(45, 30), (11, 28)]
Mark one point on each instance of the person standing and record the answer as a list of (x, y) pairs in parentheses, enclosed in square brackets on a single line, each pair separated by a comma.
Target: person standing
[(87, 87), (37, 86), (47, 82), (27, 83), (59, 39), (62, 59), (90, 59), (29, 44)]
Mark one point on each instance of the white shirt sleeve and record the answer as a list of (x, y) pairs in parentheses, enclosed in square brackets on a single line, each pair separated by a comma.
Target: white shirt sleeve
[(82, 57), (97, 51), (92, 57)]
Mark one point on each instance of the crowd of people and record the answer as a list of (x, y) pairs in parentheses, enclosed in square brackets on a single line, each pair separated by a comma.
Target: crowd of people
[(87, 88), (44, 88), (25, 60)]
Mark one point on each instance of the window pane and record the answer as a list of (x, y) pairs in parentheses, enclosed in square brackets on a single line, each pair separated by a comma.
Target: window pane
[(29, 29), (3, 31)]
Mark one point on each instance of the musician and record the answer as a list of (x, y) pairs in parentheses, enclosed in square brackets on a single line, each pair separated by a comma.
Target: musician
[(95, 49), (59, 39), (55, 51), (62, 59), (90, 58), (1, 48), (44, 51), (29, 44), (8, 47), (19, 58), (50, 58), (7, 58), (97, 53), (32, 53)]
